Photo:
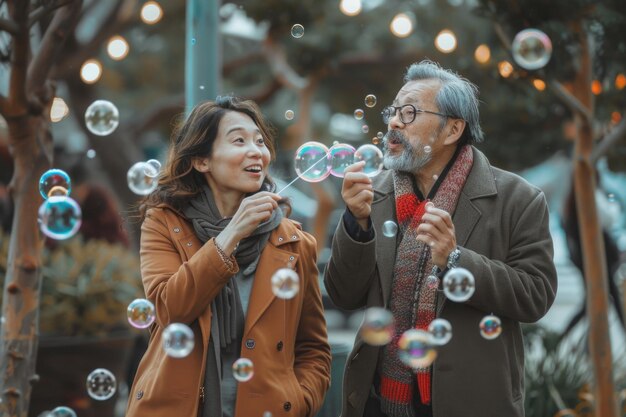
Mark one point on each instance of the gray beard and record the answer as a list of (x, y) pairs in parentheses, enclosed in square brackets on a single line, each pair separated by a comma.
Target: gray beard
[(410, 160)]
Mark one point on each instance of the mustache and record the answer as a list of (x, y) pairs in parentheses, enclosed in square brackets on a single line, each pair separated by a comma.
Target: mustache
[(395, 135)]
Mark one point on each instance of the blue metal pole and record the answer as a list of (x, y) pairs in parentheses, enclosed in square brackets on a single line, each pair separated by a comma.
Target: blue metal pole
[(203, 62)]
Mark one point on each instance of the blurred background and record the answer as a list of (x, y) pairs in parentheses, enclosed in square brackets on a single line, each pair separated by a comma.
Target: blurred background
[(311, 81)]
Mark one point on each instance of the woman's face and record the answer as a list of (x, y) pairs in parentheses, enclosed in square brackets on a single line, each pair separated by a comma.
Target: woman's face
[(240, 158)]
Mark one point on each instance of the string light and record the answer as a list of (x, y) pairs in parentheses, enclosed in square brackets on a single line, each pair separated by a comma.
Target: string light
[(596, 87), (620, 81), (350, 7), (505, 69), (445, 41), (540, 85), (91, 71), (151, 12), (401, 25), (58, 110), (482, 54), (117, 48)]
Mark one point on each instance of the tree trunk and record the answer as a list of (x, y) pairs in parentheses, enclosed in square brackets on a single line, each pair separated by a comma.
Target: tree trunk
[(30, 144)]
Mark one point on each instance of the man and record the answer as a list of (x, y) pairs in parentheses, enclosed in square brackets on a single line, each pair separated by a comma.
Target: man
[(486, 220)]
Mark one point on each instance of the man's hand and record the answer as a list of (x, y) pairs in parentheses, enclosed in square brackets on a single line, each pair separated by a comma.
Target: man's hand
[(437, 231), (357, 192)]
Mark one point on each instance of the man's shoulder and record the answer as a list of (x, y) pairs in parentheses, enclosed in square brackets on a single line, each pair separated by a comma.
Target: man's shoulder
[(511, 184)]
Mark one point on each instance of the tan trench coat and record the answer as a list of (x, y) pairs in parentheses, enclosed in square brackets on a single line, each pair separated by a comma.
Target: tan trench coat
[(285, 339)]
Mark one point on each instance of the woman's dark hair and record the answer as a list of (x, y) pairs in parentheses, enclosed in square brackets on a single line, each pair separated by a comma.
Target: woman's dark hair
[(194, 137)]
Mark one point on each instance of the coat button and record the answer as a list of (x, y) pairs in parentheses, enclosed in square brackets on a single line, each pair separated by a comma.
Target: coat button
[(189, 243), (250, 343), (139, 394), (280, 239), (287, 406), (177, 230), (294, 237), (279, 346)]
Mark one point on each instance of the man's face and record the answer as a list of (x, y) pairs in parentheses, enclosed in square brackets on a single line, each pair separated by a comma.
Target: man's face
[(409, 147)]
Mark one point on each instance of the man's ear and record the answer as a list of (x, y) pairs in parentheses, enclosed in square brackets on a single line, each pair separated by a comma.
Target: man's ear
[(455, 131), (201, 164)]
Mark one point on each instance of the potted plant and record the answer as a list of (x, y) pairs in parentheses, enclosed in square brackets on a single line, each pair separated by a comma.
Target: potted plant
[(86, 288)]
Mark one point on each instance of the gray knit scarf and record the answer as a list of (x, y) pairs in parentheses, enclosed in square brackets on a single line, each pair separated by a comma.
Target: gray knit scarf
[(207, 222)]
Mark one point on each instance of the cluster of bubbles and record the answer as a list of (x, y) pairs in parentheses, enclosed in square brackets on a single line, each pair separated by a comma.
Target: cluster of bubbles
[(531, 49), (102, 117), (140, 313), (142, 177), (177, 340), (314, 161), (101, 384), (285, 283), (59, 216)]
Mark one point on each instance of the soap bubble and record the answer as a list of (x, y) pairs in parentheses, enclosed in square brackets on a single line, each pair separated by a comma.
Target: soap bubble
[(62, 412), (359, 114), (60, 217), (365, 128), (153, 168), (312, 162), (341, 156), (289, 115), (531, 49), (139, 182), (297, 31), (375, 140), (432, 282), (441, 331), (243, 369), (141, 313), (91, 154), (490, 327), (178, 340), (459, 284), (370, 100), (101, 384), (54, 178), (427, 149), (102, 117), (390, 228), (415, 349), (373, 158), (285, 283), (377, 328)]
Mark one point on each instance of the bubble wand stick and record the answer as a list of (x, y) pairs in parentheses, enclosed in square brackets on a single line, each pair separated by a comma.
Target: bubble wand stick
[(307, 170)]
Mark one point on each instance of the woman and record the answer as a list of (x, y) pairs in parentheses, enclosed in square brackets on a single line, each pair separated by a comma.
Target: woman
[(211, 240)]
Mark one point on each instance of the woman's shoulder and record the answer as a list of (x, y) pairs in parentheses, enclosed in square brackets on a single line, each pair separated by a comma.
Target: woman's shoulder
[(291, 230)]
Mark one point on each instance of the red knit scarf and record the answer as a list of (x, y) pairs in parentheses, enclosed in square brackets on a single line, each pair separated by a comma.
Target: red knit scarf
[(413, 304)]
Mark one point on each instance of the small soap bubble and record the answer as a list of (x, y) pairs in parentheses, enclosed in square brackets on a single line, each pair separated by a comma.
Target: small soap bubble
[(359, 114), (370, 100), (54, 178), (490, 327), (375, 140), (201, 87), (178, 340), (415, 349), (152, 168), (193, 41), (285, 283), (441, 331), (243, 369), (531, 49), (267, 414), (365, 128), (102, 117), (139, 182), (377, 328), (312, 162), (101, 384), (390, 228), (611, 197), (141, 313), (91, 154), (380, 135), (427, 149), (341, 156), (373, 158), (459, 284), (62, 412), (435, 177), (289, 114), (432, 282), (59, 217), (297, 31)]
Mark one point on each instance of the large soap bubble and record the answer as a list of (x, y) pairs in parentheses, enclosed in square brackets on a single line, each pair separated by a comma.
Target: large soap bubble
[(51, 180), (312, 162), (373, 158), (377, 328), (178, 340), (60, 217), (102, 117), (341, 156), (142, 178), (101, 384), (415, 349), (62, 411), (459, 284), (141, 313), (531, 49)]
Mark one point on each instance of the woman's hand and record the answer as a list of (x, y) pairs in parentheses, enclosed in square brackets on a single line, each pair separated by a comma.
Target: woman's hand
[(252, 211)]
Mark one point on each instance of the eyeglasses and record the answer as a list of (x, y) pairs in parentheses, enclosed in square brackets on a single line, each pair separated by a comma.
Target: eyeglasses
[(408, 113)]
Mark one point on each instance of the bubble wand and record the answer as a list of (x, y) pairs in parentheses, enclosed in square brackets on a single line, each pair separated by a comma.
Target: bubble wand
[(307, 170)]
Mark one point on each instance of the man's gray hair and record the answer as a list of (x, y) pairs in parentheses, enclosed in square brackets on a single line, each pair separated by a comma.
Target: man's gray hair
[(457, 97)]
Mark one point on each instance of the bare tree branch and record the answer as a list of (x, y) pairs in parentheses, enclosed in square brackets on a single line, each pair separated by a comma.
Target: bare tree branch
[(19, 61), (42, 11), (277, 60), (9, 26), (570, 100), (52, 43), (618, 132)]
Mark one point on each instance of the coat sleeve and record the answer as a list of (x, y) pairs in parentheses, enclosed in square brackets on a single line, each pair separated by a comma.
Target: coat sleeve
[(312, 351), (180, 291), (522, 287), (350, 270)]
